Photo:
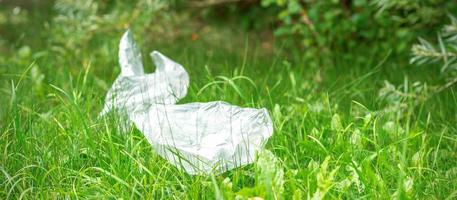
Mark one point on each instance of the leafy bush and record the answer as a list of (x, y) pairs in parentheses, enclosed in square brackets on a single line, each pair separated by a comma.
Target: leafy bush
[(445, 52), (344, 23)]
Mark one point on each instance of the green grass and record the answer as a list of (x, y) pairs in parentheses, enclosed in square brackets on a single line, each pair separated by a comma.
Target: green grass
[(339, 131)]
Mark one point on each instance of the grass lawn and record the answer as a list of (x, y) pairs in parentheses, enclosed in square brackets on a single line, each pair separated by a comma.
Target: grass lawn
[(355, 123)]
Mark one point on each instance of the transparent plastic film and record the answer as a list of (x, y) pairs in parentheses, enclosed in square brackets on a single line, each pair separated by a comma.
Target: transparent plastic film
[(200, 138), (133, 89)]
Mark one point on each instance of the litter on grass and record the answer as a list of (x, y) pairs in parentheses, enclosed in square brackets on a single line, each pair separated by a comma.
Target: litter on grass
[(134, 90), (199, 138)]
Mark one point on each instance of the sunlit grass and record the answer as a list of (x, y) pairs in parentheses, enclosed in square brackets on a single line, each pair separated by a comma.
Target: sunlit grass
[(340, 130)]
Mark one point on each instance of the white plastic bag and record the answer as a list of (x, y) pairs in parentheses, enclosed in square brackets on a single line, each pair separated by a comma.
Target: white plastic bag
[(134, 90), (196, 137), (205, 137)]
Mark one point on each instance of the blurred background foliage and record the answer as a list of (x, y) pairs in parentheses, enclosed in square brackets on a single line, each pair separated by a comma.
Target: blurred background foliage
[(322, 36), (309, 29)]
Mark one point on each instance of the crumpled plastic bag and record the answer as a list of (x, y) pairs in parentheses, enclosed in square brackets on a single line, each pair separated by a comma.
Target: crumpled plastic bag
[(199, 138), (134, 89), (205, 137)]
